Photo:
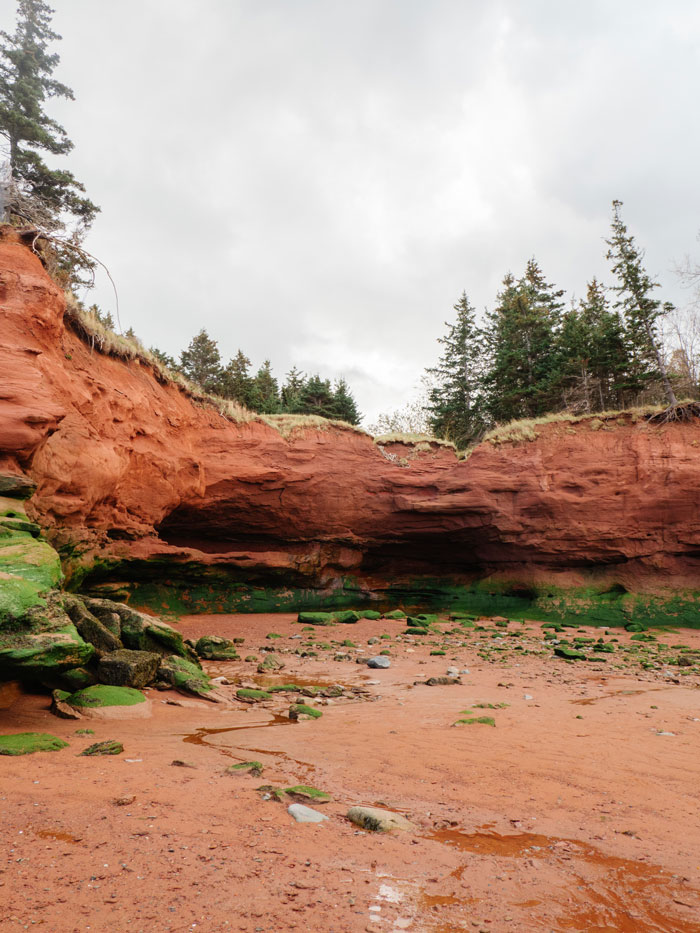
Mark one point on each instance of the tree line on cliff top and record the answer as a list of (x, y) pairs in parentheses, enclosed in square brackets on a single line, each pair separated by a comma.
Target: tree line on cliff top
[(530, 355)]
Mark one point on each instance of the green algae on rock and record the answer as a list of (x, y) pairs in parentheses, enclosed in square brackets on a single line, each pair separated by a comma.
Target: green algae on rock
[(216, 648), (26, 743), (250, 695), (302, 711), (108, 747), (254, 768), (100, 695), (185, 676)]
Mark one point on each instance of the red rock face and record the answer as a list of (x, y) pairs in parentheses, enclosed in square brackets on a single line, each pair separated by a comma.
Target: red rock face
[(130, 468)]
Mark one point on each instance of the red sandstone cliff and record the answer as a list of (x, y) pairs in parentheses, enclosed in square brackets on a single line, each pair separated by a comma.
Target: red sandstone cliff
[(129, 467)]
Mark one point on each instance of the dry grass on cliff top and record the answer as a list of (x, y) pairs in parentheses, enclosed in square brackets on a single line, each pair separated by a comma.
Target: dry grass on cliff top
[(524, 431), (98, 337), (405, 437)]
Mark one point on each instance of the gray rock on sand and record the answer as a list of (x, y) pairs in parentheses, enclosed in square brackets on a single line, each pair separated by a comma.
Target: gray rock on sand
[(380, 661), (304, 814), (378, 820)]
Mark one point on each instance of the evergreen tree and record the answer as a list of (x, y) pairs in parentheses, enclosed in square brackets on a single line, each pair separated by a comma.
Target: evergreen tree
[(524, 375), (165, 359), (267, 399), (593, 353), (344, 405), (291, 390), (316, 398), (201, 362), (455, 403), (640, 309), (237, 383), (37, 193)]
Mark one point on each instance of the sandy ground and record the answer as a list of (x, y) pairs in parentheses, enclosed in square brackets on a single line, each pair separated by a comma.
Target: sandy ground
[(574, 813)]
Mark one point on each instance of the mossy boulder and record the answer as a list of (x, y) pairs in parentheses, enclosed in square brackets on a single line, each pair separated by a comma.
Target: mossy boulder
[(316, 618), (395, 614), (101, 695), (216, 648), (42, 656), (270, 664), (185, 676), (370, 614), (346, 617), (25, 743), (302, 711), (569, 654), (126, 668), (29, 569), (250, 695), (90, 628)]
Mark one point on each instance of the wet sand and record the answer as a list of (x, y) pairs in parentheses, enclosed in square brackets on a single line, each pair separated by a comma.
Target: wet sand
[(575, 812)]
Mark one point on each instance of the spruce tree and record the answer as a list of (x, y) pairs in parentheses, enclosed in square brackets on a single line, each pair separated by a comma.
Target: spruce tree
[(316, 398), (266, 391), (37, 193), (524, 374), (455, 403), (237, 383), (291, 390), (344, 405), (640, 309), (593, 353), (201, 362)]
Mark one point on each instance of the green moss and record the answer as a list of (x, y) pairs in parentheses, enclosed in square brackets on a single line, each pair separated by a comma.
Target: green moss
[(25, 743), (103, 695), (253, 768), (316, 618), (371, 614), (301, 709), (438, 651), (271, 635), (569, 654), (476, 720), (305, 792), (29, 568), (247, 693), (490, 705), (185, 676)]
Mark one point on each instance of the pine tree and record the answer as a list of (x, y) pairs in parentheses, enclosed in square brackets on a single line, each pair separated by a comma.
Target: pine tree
[(201, 362), (524, 377), (267, 399), (291, 390), (455, 403), (640, 309), (344, 405), (237, 383), (37, 193)]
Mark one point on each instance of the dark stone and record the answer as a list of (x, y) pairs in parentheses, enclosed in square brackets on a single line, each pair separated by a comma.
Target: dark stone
[(16, 486), (89, 627), (125, 668)]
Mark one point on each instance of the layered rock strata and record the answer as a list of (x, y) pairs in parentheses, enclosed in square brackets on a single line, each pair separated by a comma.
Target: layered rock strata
[(149, 494)]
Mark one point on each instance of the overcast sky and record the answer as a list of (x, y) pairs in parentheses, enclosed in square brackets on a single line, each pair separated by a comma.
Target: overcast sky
[(316, 181)]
